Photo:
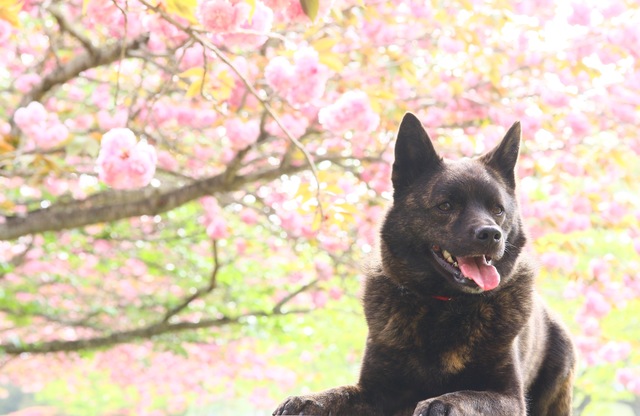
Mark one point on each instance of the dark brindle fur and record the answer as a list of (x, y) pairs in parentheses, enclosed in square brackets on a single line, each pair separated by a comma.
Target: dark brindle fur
[(441, 343)]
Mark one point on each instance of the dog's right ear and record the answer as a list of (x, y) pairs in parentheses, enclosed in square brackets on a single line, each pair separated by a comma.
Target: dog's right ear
[(414, 153)]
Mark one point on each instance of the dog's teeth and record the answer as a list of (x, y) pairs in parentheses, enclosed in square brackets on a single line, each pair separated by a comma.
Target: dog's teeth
[(455, 263), (447, 256)]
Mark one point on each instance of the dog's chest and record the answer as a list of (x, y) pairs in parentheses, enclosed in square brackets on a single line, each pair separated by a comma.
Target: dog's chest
[(445, 338)]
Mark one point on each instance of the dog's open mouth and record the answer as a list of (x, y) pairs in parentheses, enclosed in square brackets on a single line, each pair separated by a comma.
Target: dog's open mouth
[(466, 269)]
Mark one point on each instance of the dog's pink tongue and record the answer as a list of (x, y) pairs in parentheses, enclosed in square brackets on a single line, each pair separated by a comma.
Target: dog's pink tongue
[(477, 269)]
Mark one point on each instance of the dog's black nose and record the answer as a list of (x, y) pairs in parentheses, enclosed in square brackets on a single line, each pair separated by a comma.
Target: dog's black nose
[(488, 234)]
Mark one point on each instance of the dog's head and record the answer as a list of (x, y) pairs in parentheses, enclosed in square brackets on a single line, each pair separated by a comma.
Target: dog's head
[(454, 225)]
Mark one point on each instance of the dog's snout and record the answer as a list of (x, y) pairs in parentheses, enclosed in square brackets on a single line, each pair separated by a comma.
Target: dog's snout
[(489, 234)]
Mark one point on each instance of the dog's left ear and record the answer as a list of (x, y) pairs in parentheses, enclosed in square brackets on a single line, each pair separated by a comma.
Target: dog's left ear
[(504, 156)]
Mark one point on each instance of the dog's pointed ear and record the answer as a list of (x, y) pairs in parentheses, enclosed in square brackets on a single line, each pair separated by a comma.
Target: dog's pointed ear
[(414, 153), (504, 156)]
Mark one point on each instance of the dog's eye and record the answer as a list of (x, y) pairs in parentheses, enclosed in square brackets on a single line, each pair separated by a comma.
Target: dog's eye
[(497, 210), (445, 206)]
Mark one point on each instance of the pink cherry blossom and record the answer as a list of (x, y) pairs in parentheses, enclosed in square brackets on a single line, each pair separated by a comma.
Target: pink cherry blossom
[(109, 17), (241, 245), (34, 113), (26, 82), (319, 299), (191, 57), (124, 162), (323, 269), (590, 325), (108, 121), (575, 223), (596, 304), (555, 98), (578, 123), (241, 134), (581, 14), (5, 128), (352, 111), (615, 351), (285, 77), (43, 129), (214, 221), (100, 96), (5, 31), (296, 125), (335, 293), (630, 378), (163, 34), (588, 347), (559, 261), (292, 222), (612, 8), (450, 45), (290, 11), (222, 15), (279, 73), (307, 66), (255, 28), (249, 216), (167, 161)]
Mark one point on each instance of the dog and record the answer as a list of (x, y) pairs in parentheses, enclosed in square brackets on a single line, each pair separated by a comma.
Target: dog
[(455, 326)]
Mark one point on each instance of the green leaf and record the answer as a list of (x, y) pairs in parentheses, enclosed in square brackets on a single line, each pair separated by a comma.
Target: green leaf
[(310, 8), (183, 8)]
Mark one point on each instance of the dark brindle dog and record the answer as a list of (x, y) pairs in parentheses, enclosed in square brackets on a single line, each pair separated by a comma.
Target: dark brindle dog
[(455, 327)]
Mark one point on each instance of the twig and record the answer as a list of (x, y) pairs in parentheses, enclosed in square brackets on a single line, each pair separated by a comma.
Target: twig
[(278, 307), (66, 26), (206, 43), (201, 291)]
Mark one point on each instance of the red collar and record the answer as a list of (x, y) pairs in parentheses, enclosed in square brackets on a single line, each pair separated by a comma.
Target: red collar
[(443, 298)]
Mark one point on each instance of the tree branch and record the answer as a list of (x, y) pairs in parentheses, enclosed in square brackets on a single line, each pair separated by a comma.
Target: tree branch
[(150, 331), (66, 26), (115, 205), (93, 57)]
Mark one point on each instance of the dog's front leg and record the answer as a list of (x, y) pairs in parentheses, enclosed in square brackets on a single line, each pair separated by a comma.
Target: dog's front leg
[(472, 403), (345, 400)]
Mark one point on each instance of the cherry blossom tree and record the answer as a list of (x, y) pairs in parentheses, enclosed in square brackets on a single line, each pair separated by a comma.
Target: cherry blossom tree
[(190, 188)]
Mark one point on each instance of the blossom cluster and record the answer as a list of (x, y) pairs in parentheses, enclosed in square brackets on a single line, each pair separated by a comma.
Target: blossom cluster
[(124, 162), (235, 22), (42, 128), (302, 82), (351, 111), (241, 134), (213, 219)]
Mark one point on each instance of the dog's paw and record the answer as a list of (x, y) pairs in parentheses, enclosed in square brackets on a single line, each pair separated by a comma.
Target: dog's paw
[(301, 405), (435, 407)]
